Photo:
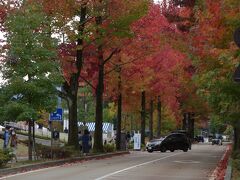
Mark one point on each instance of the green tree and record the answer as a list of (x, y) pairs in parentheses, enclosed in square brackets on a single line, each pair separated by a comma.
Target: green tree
[(217, 59), (217, 125), (86, 106), (109, 112), (30, 69), (110, 39)]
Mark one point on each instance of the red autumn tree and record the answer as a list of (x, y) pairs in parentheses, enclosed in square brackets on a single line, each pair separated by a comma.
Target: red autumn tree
[(148, 63), (99, 40)]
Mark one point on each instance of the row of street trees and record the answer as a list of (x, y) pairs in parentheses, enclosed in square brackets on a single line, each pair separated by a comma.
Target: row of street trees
[(216, 58), (140, 55), (29, 67), (114, 46)]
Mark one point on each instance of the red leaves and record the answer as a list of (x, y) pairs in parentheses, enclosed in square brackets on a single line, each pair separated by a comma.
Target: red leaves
[(148, 61), (155, 67), (3, 13), (210, 29), (219, 172), (7, 7), (67, 50), (67, 53), (63, 8), (181, 13)]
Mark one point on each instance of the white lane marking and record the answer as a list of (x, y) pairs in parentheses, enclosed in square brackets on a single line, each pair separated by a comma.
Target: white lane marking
[(187, 161), (28, 172), (132, 167)]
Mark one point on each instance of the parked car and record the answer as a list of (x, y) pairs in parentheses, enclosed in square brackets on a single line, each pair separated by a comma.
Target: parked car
[(199, 138), (182, 131), (217, 141), (174, 141)]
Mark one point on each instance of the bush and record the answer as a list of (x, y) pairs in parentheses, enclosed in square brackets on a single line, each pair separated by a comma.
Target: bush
[(44, 152), (143, 147), (236, 164), (236, 160), (109, 148), (5, 156), (130, 146), (236, 169), (236, 155)]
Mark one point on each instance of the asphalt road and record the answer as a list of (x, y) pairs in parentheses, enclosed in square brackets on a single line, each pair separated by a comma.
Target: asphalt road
[(196, 164)]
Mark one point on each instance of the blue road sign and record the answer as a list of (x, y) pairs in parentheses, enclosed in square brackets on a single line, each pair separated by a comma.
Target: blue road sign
[(57, 115)]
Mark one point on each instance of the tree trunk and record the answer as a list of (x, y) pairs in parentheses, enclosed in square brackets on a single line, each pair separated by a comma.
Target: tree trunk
[(72, 87), (34, 141), (184, 123), (236, 146), (119, 112), (191, 122), (98, 140), (29, 140), (143, 114), (73, 122), (159, 116), (119, 120), (151, 121), (193, 126)]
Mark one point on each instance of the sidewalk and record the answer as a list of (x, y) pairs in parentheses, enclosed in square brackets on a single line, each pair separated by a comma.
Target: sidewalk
[(51, 163)]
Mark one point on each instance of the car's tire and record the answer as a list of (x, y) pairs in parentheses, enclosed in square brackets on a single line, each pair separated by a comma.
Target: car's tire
[(185, 149), (150, 151), (172, 150), (163, 149)]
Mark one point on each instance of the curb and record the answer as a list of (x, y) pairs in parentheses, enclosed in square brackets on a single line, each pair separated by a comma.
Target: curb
[(221, 169), (30, 167), (228, 174)]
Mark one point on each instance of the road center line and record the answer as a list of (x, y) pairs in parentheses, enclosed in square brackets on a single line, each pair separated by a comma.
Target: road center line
[(132, 167)]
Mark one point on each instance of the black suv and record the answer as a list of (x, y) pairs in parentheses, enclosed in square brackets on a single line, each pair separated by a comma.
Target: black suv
[(172, 142)]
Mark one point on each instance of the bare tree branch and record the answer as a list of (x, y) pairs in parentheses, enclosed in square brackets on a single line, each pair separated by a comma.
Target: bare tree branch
[(89, 43), (89, 83), (116, 50), (116, 66)]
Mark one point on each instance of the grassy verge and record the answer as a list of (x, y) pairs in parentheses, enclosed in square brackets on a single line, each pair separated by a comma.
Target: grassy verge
[(236, 169), (236, 165), (235, 174), (22, 150), (22, 163), (22, 154)]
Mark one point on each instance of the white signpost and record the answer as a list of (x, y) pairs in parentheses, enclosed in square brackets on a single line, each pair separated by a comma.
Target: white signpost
[(137, 141)]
